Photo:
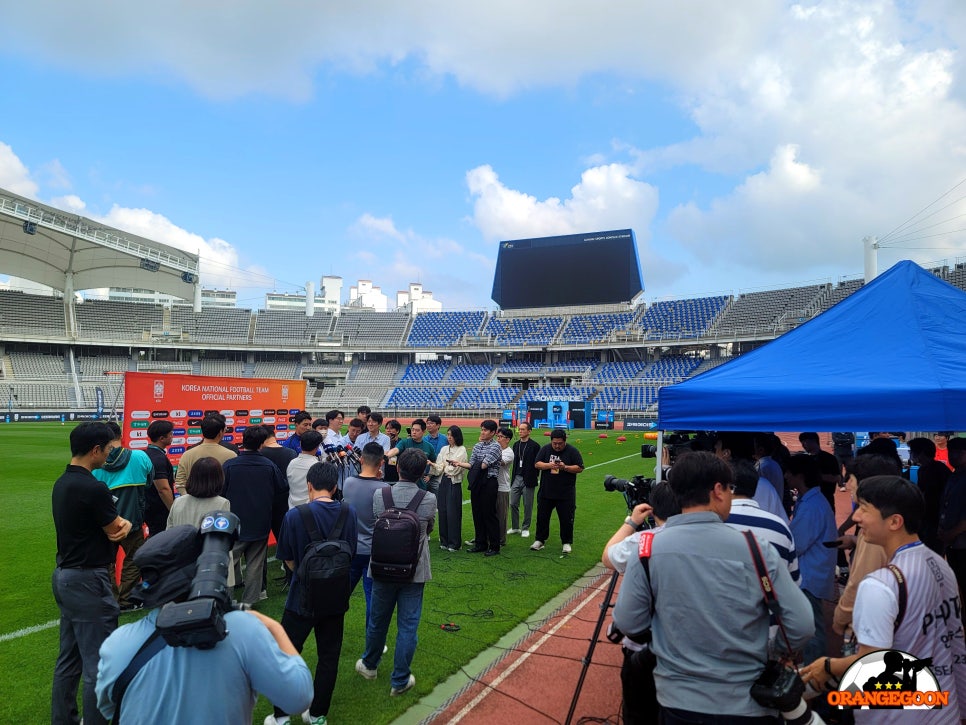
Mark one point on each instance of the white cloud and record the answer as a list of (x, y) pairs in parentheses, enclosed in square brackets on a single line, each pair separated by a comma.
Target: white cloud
[(70, 202), (842, 127), (219, 261), (606, 198), (14, 176), (498, 47), (374, 227)]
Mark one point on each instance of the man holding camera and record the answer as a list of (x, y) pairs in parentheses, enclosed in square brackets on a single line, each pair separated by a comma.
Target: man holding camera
[(558, 463), (911, 605), (182, 684), (702, 600)]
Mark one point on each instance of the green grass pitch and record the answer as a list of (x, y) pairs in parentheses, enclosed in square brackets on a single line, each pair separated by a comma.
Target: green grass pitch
[(486, 597)]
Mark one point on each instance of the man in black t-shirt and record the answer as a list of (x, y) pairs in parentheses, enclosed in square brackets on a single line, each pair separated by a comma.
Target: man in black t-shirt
[(558, 463), (87, 527), (159, 498)]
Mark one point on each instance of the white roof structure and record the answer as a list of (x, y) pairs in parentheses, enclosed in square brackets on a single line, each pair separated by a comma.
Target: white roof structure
[(71, 253)]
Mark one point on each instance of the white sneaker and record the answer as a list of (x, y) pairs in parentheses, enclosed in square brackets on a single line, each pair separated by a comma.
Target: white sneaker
[(309, 720), (262, 595), (272, 720), (536, 546), (365, 671), (513, 531), (525, 534), (410, 684), (566, 549)]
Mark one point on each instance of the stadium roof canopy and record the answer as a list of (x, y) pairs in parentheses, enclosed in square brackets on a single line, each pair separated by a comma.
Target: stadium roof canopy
[(69, 252), (891, 356)]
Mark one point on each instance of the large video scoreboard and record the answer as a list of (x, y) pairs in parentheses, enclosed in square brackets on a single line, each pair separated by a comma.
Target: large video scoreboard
[(597, 268)]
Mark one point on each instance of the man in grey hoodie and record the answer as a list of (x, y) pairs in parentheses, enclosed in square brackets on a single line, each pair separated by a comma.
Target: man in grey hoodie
[(127, 474)]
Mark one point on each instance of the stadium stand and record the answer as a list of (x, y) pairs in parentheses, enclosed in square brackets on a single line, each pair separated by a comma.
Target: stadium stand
[(769, 313), (222, 368), (619, 371), (366, 328), (470, 373), (520, 366), (429, 372), (840, 291), (583, 365), (45, 366), (680, 319), (37, 366), (23, 314), (213, 324), (527, 331), (594, 328), (443, 329), (107, 320), (423, 398)]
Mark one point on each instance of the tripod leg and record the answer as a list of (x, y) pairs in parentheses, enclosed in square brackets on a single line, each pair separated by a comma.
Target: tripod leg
[(593, 644)]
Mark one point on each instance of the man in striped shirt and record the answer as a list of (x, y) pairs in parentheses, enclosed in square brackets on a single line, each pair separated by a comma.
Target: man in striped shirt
[(747, 515)]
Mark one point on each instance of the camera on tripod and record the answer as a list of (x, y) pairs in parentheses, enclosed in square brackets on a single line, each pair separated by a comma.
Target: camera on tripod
[(200, 621), (636, 491), (681, 441)]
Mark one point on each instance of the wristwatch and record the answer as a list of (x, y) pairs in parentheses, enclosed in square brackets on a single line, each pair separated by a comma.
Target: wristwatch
[(630, 522)]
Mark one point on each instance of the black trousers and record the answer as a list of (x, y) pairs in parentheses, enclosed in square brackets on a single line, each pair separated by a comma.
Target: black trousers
[(640, 705), (566, 509), (328, 642), (485, 521)]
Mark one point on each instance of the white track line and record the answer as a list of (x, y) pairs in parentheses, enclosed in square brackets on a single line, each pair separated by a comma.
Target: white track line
[(487, 689), (29, 630)]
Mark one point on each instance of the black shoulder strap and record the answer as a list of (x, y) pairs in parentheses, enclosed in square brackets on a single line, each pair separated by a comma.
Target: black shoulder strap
[(340, 522), (152, 645), (903, 595), (387, 501), (764, 578), (309, 520), (415, 501)]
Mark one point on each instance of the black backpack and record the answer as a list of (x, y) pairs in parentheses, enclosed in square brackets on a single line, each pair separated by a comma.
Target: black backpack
[(324, 569), (396, 540)]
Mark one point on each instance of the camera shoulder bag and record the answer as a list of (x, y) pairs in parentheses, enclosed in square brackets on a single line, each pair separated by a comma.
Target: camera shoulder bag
[(152, 645)]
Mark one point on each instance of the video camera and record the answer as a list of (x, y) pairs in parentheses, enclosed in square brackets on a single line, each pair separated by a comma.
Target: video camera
[(681, 441), (200, 621), (636, 491)]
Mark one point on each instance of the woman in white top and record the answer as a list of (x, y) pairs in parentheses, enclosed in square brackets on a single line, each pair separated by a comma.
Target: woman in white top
[(202, 497), (204, 486), (449, 499)]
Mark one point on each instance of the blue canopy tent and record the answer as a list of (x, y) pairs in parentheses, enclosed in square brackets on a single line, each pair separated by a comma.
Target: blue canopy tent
[(892, 356)]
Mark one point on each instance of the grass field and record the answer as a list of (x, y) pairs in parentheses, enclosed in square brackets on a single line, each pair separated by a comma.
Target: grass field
[(486, 597)]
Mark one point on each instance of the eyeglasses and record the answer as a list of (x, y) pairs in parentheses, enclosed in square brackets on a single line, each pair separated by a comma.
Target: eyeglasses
[(730, 486)]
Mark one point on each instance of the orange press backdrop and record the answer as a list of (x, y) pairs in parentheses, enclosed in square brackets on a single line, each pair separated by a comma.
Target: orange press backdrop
[(186, 399)]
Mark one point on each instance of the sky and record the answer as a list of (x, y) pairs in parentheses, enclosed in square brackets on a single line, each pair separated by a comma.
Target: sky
[(748, 145)]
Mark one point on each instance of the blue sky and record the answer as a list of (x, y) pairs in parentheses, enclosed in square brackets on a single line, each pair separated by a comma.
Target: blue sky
[(401, 142)]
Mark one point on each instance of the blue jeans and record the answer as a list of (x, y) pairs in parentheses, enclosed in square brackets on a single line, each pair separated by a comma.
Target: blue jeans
[(816, 646), (407, 600), (359, 569)]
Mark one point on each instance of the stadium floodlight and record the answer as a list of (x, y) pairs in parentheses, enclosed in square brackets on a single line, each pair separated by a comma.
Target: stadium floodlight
[(30, 227), (150, 265), (188, 278)]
